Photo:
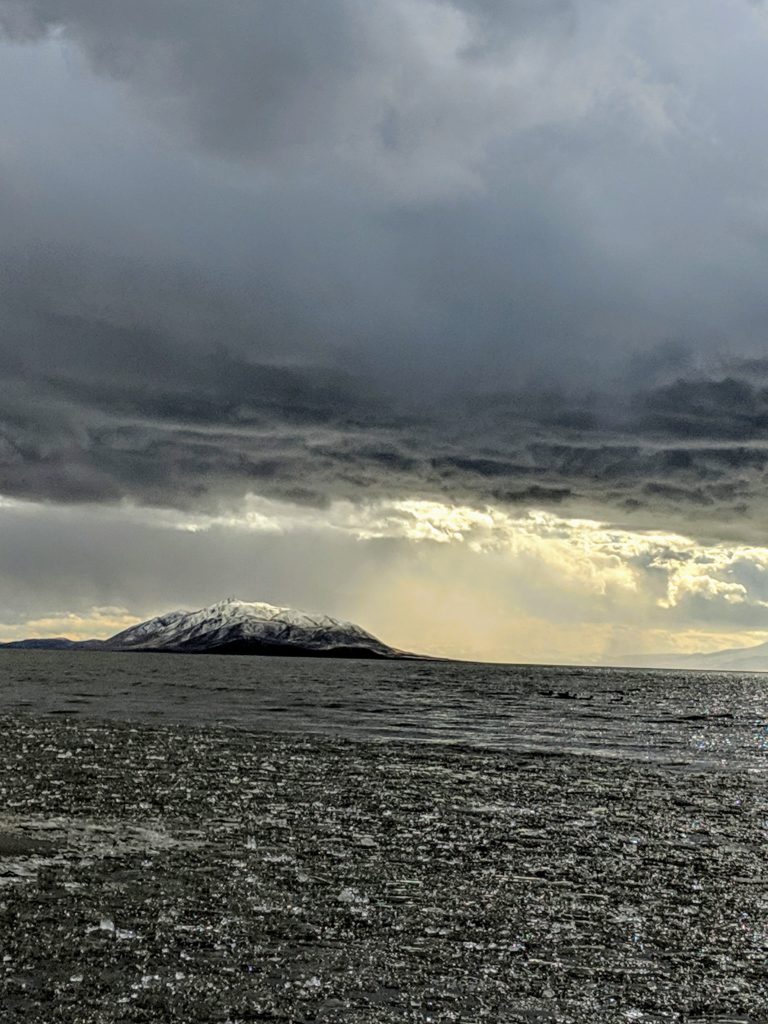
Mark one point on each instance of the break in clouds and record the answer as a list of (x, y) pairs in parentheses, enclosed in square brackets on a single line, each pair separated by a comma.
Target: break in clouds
[(507, 255)]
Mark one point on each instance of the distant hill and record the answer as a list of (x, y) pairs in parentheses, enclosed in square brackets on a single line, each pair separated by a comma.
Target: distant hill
[(58, 643), (734, 659), (235, 627)]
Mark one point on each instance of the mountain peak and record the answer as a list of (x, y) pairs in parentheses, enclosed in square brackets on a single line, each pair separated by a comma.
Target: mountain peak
[(242, 627)]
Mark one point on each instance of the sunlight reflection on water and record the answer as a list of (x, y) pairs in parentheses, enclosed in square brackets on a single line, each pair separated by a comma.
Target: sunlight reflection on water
[(695, 719)]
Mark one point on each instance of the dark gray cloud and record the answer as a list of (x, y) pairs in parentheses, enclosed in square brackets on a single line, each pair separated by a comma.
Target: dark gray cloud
[(254, 77), (500, 252), (203, 434)]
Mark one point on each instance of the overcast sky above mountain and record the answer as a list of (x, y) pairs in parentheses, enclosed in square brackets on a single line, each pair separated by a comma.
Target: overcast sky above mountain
[(286, 288)]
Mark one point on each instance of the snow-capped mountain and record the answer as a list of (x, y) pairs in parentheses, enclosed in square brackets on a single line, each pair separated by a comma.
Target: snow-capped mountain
[(244, 627), (239, 627)]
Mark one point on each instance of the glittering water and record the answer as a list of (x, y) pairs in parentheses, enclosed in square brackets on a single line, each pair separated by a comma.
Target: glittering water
[(694, 719)]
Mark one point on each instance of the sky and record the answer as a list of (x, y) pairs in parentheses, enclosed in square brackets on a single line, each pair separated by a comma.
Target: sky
[(445, 316)]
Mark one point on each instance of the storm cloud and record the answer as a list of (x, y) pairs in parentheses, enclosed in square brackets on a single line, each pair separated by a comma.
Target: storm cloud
[(499, 253)]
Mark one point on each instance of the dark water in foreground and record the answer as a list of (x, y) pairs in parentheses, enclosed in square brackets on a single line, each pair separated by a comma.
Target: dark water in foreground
[(691, 719)]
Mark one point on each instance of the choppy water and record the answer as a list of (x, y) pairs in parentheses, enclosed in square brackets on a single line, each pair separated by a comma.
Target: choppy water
[(693, 719)]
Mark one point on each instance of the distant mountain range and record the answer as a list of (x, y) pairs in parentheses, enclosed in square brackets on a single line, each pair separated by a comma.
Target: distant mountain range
[(234, 627), (734, 659)]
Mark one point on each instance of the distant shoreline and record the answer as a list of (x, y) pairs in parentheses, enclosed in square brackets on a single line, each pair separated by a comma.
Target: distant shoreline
[(226, 650)]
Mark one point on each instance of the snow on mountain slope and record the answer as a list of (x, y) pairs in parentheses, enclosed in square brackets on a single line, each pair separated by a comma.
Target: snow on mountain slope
[(243, 627)]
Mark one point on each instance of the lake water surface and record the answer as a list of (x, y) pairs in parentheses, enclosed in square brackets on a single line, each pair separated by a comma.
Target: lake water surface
[(690, 719)]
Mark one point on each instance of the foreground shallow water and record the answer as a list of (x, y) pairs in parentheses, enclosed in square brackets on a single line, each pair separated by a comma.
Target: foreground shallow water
[(174, 873), (693, 719)]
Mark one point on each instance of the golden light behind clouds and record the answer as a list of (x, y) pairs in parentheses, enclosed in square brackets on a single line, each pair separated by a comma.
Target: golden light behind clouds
[(478, 583)]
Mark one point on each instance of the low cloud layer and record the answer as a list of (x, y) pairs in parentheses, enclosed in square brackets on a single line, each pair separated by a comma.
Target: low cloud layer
[(167, 429)]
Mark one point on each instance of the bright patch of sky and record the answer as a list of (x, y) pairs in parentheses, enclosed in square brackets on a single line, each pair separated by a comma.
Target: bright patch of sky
[(448, 579)]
